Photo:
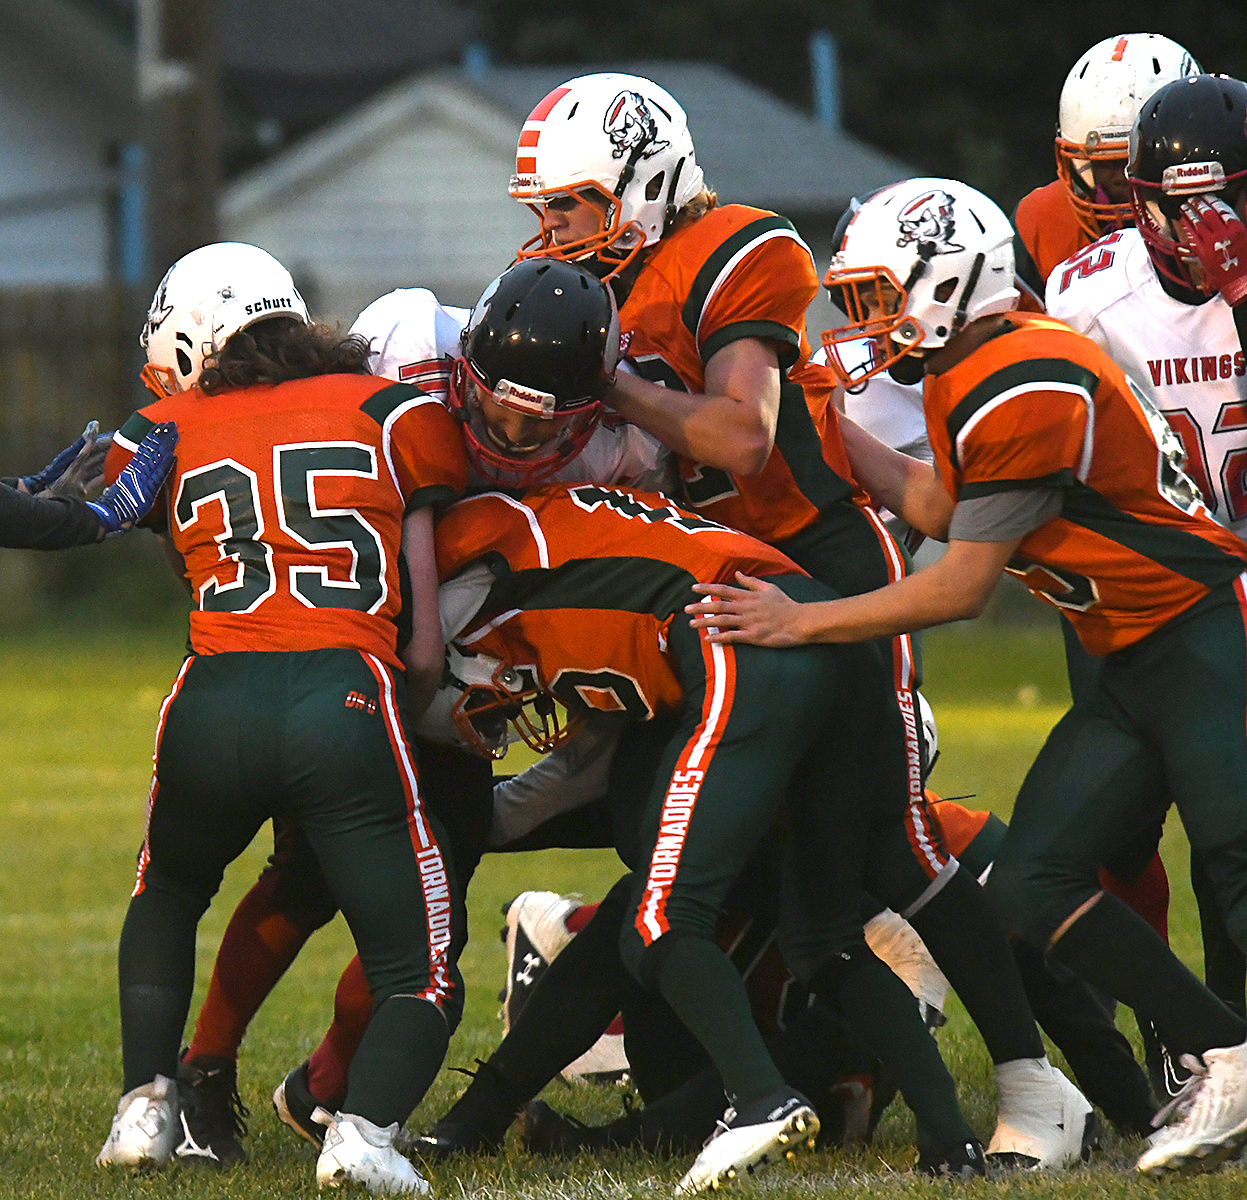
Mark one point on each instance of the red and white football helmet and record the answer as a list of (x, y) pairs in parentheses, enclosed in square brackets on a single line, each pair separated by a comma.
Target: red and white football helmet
[(1102, 95), (619, 140), (914, 264), (206, 296)]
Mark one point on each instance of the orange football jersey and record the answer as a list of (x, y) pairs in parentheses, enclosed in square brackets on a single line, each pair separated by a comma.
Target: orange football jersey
[(1040, 405), (1048, 232), (287, 502), (741, 272), (587, 581)]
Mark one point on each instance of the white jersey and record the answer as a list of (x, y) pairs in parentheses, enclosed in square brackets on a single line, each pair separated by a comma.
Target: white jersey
[(891, 411), (1185, 358), (415, 339)]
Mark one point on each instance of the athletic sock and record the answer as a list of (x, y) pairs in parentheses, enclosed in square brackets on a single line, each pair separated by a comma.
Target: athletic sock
[(1113, 948), (880, 1010), (969, 945), (397, 1061), (706, 992), (258, 945), (330, 1062)]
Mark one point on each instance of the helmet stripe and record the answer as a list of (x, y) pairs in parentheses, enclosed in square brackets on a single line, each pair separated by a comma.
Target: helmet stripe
[(543, 109)]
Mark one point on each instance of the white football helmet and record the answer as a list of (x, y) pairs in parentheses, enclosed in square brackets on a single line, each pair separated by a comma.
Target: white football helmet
[(915, 263), (206, 296), (620, 140), (1102, 96)]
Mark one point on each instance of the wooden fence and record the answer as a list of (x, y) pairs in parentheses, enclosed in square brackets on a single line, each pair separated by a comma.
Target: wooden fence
[(67, 355)]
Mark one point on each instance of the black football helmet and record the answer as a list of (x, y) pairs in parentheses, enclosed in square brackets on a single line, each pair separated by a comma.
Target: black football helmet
[(542, 342), (1190, 138)]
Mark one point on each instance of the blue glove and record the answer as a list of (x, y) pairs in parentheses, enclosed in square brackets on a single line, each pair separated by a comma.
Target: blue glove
[(44, 479), (131, 497)]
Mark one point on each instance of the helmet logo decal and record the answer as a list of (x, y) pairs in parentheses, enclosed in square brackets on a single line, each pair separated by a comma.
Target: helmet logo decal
[(160, 310), (631, 127), (929, 221)]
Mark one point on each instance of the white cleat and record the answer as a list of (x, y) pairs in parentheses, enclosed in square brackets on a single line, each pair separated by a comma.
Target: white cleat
[(357, 1151), (1208, 1118), (1043, 1121), (146, 1127), (535, 933), (763, 1132)]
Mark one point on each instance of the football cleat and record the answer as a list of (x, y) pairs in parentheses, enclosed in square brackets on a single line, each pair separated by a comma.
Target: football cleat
[(535, 934), (1207, 1120), (357, 1151), (295, 1105), (213, 1116), (145, 1127), (477, 1122), (1043, 1120), (544, 1131), (962, 1161), (763, 1132)]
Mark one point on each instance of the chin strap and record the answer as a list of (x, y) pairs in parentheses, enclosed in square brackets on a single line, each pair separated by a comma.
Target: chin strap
[(670, 210), (972, 280)]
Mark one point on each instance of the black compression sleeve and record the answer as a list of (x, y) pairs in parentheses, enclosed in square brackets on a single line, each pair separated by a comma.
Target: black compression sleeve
[(1240, 324), (44, 523)]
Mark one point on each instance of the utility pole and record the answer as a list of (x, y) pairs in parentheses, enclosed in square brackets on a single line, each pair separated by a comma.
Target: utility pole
[(178, 78)]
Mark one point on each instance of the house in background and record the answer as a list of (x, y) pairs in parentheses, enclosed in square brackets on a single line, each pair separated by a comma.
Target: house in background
[(410, 187), (66, 105)]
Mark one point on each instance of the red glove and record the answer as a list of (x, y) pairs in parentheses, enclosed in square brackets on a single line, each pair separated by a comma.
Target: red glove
[(1216, 236)]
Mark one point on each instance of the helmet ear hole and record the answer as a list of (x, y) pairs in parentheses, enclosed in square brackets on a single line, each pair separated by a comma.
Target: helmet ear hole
[(654, 188), (944, 290), (184, 362)]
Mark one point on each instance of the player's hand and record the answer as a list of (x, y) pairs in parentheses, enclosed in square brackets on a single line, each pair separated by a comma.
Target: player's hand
[(756, 612), (76, 470), (131, 497), (1212, 231)]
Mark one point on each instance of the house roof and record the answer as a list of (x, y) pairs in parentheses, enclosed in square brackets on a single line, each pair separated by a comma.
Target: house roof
[(754, 148)]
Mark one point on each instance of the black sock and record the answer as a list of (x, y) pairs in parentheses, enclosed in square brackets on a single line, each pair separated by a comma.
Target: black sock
[(156, 969), (399, 1057), (970, 946), (1115, 949), (707, 993), (879, 1009)]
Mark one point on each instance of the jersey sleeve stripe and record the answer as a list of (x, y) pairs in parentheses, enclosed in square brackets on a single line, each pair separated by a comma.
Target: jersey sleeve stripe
[(384, 401), (437, 497), (411, 398), (1033, 375), (135, 429), (767, 331), (798, 441), (1178, 550), (719, 265), (990, 487)]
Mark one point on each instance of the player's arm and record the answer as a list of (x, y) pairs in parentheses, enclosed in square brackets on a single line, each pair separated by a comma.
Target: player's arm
[(424, 655), (731, 425), (956, 587), (898, 482)]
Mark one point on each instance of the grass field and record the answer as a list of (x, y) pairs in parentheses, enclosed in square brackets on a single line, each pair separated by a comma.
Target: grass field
[(76, 719)]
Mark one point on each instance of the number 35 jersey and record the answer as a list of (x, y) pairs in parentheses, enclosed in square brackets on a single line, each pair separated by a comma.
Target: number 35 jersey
[(587, 580), (1185, 357), (1039, 406), (287, 503)]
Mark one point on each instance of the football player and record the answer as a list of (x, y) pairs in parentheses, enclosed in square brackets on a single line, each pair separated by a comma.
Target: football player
[(301, 484), (1051, 465), (712, 302), (1100, 99)]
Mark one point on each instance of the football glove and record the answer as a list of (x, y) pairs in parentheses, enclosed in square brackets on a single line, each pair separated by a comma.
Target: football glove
[(75, 470), (131, 497), (1214, 234)]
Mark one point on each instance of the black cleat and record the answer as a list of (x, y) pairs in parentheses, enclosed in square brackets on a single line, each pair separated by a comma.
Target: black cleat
[(962, 1161), (295, 1104), (213, 1116), (543, 1130), (476, 1124)]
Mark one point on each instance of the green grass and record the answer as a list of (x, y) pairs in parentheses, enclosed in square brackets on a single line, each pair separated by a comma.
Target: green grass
[(76, 719)]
